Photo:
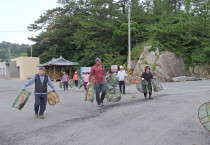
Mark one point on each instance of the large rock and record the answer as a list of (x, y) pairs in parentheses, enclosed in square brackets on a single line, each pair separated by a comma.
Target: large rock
[(164, 65), (179, 79), (151, 58)]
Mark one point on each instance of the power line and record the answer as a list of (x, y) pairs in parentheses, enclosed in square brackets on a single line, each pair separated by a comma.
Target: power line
[(17, 31)]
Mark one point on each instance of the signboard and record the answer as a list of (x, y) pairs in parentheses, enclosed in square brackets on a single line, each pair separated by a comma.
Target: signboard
[(85, 69), (114, 68)]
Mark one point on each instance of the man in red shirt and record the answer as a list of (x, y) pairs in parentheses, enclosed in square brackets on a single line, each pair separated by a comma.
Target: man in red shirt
[(97, 71)]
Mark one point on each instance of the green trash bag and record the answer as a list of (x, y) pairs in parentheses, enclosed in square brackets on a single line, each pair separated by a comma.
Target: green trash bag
[(21, 100), (142, 87), (71, 83), (112, 81), (157, 86), (113, 95), (80, 84)]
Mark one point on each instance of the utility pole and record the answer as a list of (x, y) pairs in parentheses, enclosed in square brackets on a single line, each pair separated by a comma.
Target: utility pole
[(129, 37), (31, 50)]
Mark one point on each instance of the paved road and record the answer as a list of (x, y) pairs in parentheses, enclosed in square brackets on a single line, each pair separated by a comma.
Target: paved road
[(169, 119)]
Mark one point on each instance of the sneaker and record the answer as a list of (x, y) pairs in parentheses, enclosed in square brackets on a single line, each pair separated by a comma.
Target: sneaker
[(36, 115), (102, 104), (99, 105), (150, 97), (124, 93), (41, 117)]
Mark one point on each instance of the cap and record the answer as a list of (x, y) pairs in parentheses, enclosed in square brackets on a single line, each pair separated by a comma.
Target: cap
[(98, 60), (42, 68), (147, 67), (75, 72), (121, 66)]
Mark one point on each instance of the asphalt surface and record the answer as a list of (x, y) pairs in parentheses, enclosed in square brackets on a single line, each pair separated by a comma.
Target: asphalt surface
[(170, 118)]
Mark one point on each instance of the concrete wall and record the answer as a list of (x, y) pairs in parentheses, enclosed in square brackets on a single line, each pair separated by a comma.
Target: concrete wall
[(27, 66), (12, 70), (9, 70), (2, 70)]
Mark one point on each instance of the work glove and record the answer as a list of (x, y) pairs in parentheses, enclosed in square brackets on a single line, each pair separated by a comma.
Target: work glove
[(142, 79), (88, 83), (54, 91), (23, 89)]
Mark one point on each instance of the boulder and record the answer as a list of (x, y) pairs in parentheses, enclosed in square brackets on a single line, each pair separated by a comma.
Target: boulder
[(164, 65), (151, 58), (192, 79), (179, 79)]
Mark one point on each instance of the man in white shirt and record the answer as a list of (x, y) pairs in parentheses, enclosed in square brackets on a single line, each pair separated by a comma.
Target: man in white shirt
[(121, 74)]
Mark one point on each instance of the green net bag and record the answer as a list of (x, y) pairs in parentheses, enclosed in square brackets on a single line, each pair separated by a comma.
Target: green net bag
[(157, 86), (71, 83), (113, 95), (21, 100)]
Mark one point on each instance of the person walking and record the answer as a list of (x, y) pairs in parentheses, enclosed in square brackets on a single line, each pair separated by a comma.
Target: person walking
[(76, 78), (41, 81), (98, 73), (65, 79), (121, 74), (147, 76), (85, 79)]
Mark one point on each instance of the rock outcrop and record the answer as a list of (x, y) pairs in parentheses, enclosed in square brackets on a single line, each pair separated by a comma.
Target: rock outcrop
[(201, 71), (164, 65)]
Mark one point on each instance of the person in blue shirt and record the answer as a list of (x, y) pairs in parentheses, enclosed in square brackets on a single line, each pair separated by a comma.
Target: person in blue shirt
[(41, 81)]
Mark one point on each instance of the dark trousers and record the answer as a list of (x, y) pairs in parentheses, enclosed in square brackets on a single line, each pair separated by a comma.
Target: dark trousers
[(40, 103), (65, 85), (149, 89), (76, 83), (85, 86), (122, 84), (100, 87)]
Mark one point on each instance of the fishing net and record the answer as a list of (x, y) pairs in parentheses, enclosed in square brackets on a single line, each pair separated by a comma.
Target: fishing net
[(143, 86), (157, 86), (71, 83), (112, 81), (80, 84), (113, 95), (52, 98), (60, 84), (204, 115), (90, 93), (21, 99)]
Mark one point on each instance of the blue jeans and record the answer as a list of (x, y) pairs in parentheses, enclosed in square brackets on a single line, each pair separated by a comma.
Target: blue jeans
[(40, 103)]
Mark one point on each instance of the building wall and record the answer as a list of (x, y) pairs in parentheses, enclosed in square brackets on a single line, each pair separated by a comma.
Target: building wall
[(2, 70), (12, 70), (9, 70), (27, 66)]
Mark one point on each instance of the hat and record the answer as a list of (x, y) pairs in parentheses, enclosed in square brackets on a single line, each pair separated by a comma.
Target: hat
[(75, 72), (98, 60), (121, 66), (64, 72), (147, 67), (42, 68)]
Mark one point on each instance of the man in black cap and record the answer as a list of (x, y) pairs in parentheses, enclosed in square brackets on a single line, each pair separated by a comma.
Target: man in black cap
[(41, 80)]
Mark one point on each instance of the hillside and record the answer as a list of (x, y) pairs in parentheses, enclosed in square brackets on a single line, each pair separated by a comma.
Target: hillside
[(11, 50)]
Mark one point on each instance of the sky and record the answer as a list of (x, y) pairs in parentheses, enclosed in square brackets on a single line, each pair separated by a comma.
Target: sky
[(17, 15)]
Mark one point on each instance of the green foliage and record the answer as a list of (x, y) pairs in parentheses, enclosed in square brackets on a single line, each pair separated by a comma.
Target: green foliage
[(11, 50), (83, 30)]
